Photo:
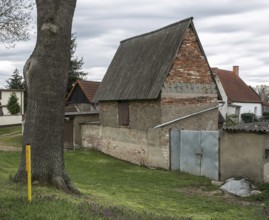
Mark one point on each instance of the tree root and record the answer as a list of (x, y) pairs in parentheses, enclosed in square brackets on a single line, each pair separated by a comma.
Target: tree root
[(65, 184), (61, 182)]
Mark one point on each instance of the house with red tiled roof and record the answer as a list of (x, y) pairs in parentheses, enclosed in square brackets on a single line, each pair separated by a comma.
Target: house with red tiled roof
[(79, 109), (239, 98), (80, 98)]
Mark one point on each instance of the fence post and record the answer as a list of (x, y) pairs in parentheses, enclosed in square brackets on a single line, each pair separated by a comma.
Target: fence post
[(29, 172)]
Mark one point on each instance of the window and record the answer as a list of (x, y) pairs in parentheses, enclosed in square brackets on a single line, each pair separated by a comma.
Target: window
[(0, 95), (123, 113)]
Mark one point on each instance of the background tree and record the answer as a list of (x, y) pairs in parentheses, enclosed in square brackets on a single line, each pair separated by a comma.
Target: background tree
[(15, 81), (263, 91), (76, 64), (46, 76), (12, 105), (15, 17)]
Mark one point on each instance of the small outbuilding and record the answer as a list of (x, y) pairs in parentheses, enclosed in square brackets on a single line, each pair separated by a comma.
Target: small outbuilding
[(156, 82), (79, 108)]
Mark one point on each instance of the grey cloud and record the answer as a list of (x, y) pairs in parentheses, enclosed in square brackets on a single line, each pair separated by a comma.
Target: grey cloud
[(231, 32)]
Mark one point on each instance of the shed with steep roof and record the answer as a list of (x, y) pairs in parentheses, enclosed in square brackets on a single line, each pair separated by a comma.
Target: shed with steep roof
[(156, 81)]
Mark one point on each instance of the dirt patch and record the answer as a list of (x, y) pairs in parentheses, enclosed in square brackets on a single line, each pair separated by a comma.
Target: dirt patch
[(9, 148), (9, 141), (200, 191)]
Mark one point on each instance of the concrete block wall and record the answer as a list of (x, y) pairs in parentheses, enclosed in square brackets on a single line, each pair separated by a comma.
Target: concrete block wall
[(242, 155), (108, 113), (143, 114)]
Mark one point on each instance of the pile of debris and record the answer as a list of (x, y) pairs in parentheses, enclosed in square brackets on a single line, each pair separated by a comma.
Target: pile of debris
[(238, 186)]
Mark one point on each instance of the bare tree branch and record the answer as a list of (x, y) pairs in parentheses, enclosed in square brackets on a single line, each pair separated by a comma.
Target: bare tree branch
[(15, 19)]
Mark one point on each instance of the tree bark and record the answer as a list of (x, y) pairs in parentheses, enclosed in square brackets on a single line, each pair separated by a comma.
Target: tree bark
[(46, 75)]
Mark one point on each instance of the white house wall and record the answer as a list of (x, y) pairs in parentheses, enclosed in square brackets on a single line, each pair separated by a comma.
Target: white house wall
[(10, 120), (249, 108), (224, 109)]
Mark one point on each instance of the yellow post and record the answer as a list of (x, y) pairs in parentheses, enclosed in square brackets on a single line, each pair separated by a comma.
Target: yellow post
[(29, 172)]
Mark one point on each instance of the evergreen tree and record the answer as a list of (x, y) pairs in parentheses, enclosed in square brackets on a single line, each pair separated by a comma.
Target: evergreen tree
[(75, 67), (15, 81), (13, 106)]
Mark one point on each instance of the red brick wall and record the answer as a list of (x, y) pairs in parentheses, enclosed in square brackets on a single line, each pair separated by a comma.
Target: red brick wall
[(190, 66), (189, 87)]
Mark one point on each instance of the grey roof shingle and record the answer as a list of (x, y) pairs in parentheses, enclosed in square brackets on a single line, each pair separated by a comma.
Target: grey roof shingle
[(256, 127), (142, 63)]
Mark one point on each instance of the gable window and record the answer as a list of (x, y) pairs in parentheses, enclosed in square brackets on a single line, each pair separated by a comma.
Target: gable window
[(123, 113)]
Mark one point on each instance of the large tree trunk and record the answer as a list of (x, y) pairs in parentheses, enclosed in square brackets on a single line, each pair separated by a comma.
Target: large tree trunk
[(46, 75)]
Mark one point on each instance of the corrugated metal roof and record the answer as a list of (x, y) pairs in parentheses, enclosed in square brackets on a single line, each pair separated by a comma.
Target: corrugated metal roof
[(235, 88), (142, 63), (257, 127)]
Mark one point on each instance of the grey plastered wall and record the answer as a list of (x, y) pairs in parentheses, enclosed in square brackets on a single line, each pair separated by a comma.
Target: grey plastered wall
[(135, 146), (77, 121), (242, 155), (148, 147), (143, 114)]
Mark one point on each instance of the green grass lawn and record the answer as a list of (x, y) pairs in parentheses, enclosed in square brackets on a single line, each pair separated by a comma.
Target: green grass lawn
[(10, 136), (114, 189), (9, 129)]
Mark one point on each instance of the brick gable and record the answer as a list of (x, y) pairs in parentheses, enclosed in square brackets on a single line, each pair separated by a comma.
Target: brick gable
[(190, 65)]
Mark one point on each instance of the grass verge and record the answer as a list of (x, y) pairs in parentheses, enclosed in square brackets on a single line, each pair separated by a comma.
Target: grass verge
[(11, 136), (114, 189)]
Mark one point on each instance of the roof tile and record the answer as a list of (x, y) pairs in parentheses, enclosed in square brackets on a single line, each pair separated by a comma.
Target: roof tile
[(89, 88), (235, 88)]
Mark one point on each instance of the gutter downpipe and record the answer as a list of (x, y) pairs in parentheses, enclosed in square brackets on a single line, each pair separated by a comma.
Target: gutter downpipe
[(187, 116)]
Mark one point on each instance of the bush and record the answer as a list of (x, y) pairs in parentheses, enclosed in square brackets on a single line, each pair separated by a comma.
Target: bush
[(248, 117), (265, 114), (13, 105)]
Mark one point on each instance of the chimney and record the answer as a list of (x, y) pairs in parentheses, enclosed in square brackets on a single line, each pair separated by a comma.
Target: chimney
[(236, 71)]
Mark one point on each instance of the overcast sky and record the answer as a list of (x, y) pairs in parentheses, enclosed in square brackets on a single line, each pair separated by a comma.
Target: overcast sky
[(231, 33)]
